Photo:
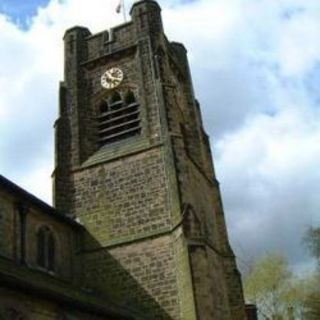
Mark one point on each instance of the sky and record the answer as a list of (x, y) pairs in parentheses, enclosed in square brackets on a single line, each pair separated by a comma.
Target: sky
[(21, 12), (256, 72)]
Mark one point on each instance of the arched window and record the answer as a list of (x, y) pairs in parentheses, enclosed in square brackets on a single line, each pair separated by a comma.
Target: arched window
[(116, 101), (115, 97), (130, 98), (104, 107), (46, 249), (121, 121)]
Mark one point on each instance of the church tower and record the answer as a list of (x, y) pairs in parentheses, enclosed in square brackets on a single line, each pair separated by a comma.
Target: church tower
[(133, 165)]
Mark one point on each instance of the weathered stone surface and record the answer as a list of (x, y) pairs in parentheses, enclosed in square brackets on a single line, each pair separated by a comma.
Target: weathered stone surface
[(134, 195), (153, 235)]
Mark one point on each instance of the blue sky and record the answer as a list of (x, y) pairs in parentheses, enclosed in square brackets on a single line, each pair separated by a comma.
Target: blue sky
[(256, 72), (21, 11)]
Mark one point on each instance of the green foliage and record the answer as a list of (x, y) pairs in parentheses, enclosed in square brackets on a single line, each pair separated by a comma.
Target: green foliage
[(312, 241), (267, 275), (278, 294), (312, 301), (271, 286)]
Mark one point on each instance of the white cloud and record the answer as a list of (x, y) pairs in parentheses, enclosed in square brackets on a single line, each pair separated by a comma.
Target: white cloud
[(255, 66), (270, 181), (31, 67)]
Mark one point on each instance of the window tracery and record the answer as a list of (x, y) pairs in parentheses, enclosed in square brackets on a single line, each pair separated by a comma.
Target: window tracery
[(119, 118)]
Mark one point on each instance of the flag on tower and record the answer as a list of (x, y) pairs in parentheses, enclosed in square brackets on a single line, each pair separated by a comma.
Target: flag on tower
[(119, 6)]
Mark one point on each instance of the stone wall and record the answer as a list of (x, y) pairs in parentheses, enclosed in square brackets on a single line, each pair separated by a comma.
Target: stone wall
[(156, 234), (13, 235), (124, 199), (128, 250), (139, 274), (216, 279)]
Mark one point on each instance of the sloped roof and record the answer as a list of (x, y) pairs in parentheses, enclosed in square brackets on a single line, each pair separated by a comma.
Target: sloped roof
[(30, 199)]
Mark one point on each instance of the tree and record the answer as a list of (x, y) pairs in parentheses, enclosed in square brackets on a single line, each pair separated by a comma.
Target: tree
[(312, 241), (278, 294), (271, 286), (312, 304), (312, 300)]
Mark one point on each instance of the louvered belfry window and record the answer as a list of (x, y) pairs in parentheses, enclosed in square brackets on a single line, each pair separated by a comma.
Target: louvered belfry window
[(119, 118)]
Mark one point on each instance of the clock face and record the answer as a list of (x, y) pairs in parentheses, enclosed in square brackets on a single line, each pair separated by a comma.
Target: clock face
[(111, 78)]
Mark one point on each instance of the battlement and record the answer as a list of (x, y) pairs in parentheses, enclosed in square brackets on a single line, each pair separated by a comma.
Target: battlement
[(145, 22), (146, 5)]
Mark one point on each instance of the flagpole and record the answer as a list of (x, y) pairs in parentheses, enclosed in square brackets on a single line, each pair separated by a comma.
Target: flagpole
[(121, 7), (124, 11)]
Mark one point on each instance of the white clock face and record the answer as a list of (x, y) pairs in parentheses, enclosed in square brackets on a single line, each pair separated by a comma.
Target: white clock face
[(111, 78)]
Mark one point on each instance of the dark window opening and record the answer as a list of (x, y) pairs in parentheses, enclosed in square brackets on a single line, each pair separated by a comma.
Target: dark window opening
[(130, 98), (115, 97), (104, 107), (51, 252), (116, 102), (46, 249), (41, 248), (121, 121)]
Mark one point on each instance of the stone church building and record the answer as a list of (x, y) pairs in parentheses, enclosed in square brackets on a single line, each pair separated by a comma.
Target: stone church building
[(137, 230)]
